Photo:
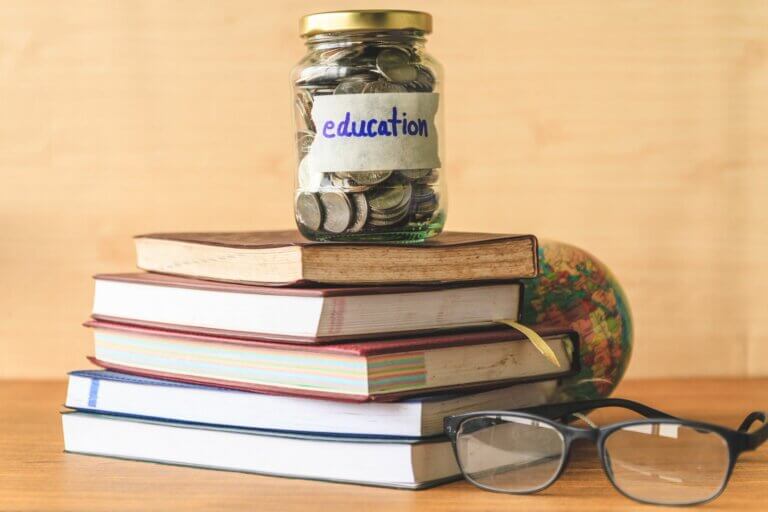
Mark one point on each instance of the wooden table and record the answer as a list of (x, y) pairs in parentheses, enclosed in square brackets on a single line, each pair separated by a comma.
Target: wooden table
[(36, 475)]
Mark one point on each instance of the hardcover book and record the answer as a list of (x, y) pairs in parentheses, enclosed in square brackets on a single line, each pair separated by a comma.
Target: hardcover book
[(284, 258), (401, 463), (299, 315), (130, 395), (373, 370)]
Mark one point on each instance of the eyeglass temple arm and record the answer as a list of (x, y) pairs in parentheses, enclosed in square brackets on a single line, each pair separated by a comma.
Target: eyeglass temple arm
[(566, 409), (760, 435)]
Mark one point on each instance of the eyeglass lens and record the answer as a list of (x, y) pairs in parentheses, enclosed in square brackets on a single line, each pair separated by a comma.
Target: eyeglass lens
[(667, 463), (511, 454)]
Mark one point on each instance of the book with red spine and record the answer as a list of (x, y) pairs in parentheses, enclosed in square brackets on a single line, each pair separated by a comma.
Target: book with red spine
[(372, 370)]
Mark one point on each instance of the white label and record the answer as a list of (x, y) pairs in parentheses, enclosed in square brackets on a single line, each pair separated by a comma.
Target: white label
[(374, 132)]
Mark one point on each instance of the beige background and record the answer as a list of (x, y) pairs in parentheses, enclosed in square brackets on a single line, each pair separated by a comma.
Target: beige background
[(637, 130)]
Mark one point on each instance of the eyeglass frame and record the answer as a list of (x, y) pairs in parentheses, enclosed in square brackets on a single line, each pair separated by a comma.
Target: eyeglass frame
[(738, 441)]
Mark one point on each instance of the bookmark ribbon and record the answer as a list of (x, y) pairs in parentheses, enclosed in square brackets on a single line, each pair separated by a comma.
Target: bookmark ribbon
[(534, 338)]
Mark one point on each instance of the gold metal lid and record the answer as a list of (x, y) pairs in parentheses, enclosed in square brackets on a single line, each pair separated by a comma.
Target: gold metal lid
[(345, 21)]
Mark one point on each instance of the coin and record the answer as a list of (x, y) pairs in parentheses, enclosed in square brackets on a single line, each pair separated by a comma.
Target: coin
[(309, 213), (392, 215), (425, 207), (315, 91), (309, 180), (382, 86), (387, 198), (361, 213), (429, 179), (388, 221), (324, 74), (304, 106), (304, 139), (346, 184), (369, 177), (394, 210), (421, 192), (395, 65), (338, 211), (339, 54), (415, 174), (350, 87), (391, 196), (425, 202), (424, 82)]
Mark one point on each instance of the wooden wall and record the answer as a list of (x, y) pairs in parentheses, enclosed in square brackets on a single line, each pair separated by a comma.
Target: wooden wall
[(635, 129)]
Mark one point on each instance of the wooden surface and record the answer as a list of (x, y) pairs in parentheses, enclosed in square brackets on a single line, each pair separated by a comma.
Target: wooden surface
[(36, 475), (635, 129)]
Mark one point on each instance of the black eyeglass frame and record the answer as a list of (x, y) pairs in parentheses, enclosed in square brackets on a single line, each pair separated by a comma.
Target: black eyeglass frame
[(738, 441)]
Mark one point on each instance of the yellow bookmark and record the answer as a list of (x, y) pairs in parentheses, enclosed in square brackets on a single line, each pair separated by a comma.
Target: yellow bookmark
[(534, 338)]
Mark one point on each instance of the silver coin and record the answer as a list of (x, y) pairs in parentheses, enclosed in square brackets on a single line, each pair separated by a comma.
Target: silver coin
[(323, 74), (390, 196), (425, 207), (361, 213), (415, 174), (407, 198), (350, 87), (382, 86), (429, 179), (318, 91), (309, 180), (391, 221), (304, 139), (309, 213), (424, 204), (338, 211), (423, 193), (343, 175), (345, 184), (395, 65), (390, 215), (424, 82), (420, 189), (338, 54), (369, 177), (304, 106), (387, 198), (395, 210), (423, 217), (421, 196)]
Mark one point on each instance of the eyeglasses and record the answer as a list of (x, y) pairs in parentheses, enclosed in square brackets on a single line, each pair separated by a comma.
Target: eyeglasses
[(660, 460)]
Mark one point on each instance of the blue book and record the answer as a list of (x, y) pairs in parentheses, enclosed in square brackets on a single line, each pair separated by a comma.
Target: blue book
[(119, 394)]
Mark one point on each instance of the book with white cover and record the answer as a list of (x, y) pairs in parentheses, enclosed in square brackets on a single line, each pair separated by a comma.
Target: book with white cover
[(299, 314), (118, 393), (371, 461)]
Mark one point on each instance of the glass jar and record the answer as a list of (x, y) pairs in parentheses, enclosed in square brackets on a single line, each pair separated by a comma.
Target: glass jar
[(366, 108)]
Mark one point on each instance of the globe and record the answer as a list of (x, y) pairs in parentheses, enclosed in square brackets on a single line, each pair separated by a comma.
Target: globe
[(574, 290)]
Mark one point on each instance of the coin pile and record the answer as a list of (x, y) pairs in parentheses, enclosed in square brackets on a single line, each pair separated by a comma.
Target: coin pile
[(355, 202), (367, 68), (376, 200)]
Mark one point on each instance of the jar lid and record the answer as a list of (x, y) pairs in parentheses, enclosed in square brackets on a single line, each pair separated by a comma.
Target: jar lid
[(345, 21)]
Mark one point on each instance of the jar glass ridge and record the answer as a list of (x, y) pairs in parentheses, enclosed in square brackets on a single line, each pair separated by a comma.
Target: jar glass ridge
[(368, 117)]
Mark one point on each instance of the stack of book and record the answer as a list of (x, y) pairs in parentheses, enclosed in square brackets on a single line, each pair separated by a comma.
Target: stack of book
[(229, 353)]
